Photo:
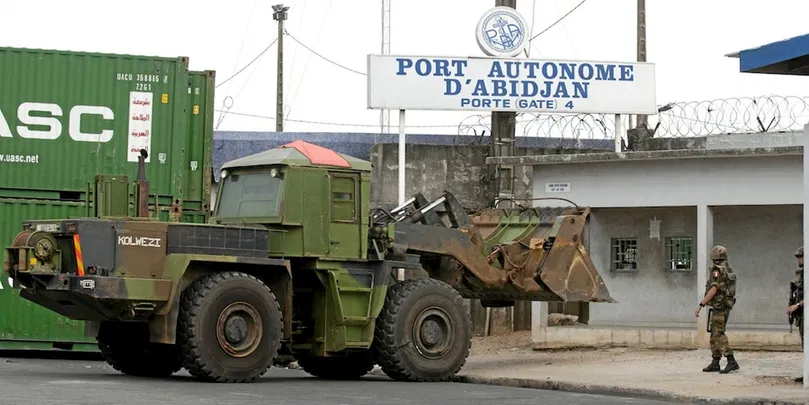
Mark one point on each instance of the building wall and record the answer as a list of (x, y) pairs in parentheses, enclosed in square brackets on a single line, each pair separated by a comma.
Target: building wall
[(682, 182), (761, 241), (651, 295)]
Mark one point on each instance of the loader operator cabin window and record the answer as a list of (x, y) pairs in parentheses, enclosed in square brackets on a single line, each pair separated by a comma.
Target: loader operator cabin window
[(253, 194), (343, 203)]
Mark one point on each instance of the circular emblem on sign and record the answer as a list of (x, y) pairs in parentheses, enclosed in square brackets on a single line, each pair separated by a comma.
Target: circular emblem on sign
[(502, 31)]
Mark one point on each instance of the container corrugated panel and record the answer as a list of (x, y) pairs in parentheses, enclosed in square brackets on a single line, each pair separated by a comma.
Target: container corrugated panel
[(22, 320), (200, 143), (66, 116), (23, 324)]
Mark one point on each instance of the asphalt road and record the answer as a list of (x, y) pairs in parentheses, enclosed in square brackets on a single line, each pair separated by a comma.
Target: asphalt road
[(41, 382)]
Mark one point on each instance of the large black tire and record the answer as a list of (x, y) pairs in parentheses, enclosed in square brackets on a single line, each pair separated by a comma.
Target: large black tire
[(127, 349), (236, 349), (350, 367), (407, 342)]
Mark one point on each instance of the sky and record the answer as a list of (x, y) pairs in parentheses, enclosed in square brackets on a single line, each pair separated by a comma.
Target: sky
[(687, 40)]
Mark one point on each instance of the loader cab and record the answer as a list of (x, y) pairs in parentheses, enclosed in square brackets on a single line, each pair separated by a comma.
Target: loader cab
[(314, 201)]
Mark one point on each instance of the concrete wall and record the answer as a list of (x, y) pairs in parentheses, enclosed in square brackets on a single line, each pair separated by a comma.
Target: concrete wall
[(678, 182), (461, 169), (726, 141), (650, 296), (761, 241), (431, 169)]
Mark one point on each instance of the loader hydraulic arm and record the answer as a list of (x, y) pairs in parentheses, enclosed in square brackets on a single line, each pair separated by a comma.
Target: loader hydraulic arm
[(533, 254)]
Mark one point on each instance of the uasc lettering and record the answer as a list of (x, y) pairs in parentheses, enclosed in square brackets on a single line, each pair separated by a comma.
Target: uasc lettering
[(47, 115), (139, 241)]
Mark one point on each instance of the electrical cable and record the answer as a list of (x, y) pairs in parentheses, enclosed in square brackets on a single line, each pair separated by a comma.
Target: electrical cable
[(559, 20), (533, 25), (248, 65), (306, 66), (288, 83), (323, 57), (340, 124), (239, 55)]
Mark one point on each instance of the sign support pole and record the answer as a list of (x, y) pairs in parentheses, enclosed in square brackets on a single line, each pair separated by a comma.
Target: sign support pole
[(805, 270), (402, 137)]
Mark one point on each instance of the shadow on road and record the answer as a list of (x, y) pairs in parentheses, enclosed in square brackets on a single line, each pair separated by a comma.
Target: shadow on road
[(51, 355)]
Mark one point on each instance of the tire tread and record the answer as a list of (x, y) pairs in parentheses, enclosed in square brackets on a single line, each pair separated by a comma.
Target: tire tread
[(386, 348), (190, 314)]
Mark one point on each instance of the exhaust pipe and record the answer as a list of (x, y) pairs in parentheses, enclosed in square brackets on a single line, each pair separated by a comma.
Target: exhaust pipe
[(142, 187)]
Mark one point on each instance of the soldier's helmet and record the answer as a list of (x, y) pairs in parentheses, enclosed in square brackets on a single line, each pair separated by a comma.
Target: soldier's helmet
[(799, 252), (719, 252)]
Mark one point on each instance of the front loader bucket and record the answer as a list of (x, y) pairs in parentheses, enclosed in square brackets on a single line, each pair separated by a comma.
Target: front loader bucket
[(500, 254), (544, 244)]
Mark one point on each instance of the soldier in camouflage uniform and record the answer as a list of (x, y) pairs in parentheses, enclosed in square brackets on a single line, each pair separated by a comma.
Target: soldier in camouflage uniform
[(797, 308), (720, 294)]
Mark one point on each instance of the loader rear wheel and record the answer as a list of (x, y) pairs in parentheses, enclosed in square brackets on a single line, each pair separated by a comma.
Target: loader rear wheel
[(126, 347), (349, 367), (229, 328), (423, 333)]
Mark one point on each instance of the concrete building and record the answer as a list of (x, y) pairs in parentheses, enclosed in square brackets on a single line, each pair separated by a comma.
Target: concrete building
[(655, 216), (657, 213)]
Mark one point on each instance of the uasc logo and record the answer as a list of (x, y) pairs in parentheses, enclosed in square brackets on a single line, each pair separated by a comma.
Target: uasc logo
[(42, 121), (502, 31), (139, 241)]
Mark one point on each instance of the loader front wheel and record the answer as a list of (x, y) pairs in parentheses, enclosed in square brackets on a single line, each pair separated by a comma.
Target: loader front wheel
[(229, 328), (423, 332)]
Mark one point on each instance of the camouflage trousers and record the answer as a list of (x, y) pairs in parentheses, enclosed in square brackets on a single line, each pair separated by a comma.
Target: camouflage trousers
[(799, 325), (719, 341)]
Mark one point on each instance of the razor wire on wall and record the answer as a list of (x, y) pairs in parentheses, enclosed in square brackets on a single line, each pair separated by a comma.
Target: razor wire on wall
[(681, 119)]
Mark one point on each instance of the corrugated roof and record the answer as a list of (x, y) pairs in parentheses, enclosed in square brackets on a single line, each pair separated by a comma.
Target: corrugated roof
[(786, 57)]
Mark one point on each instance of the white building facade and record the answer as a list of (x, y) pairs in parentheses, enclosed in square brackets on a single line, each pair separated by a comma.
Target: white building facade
[(655, 216)]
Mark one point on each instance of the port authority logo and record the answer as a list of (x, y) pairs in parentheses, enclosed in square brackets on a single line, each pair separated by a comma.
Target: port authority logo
[(502, 31), (139, 241)]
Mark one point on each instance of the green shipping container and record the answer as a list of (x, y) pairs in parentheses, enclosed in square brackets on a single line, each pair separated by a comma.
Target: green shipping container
[(66, 116), (23, 324)]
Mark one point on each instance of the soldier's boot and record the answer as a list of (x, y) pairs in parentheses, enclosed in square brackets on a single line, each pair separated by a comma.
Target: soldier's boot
[(732, 365), (714, 366), (799, 380)]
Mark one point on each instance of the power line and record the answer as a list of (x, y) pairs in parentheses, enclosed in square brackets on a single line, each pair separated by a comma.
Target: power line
[(323, 57), (559, 20), (306, 66), (248, 65), (339, 124)]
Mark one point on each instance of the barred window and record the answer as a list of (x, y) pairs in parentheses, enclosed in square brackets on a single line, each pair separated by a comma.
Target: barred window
[(678, 253), (624, 254)]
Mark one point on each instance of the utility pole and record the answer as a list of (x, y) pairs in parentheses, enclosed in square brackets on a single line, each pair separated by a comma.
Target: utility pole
[(280, 14), (504, 127), (643, 120), (384, 115)]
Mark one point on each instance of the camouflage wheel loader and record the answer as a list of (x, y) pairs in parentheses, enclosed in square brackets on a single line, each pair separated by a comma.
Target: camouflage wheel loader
[(294, 264)]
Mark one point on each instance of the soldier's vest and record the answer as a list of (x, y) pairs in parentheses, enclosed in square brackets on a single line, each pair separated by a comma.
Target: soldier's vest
[(725, 297)]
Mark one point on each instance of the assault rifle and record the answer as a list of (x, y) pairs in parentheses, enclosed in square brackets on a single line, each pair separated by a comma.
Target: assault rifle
[(795, 296)]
